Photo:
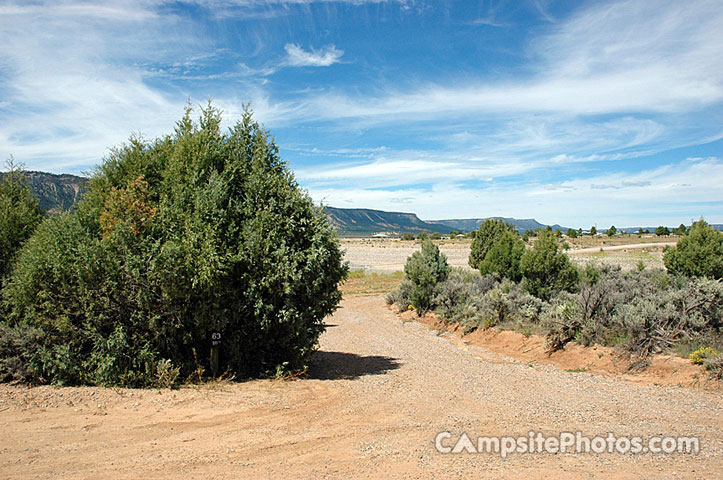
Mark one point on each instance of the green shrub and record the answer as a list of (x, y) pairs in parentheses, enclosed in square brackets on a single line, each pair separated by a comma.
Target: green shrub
[(507, 304), (504, 256), (19, 351), (402, 295), (561, 320), (546, 269), (639, 312), (587, 316), (662, 231), (425, 269), (680, 230), (715, 366), (698, 254), (19, 215), (483, 301), (484, 238), (193, 233), (460, 297)]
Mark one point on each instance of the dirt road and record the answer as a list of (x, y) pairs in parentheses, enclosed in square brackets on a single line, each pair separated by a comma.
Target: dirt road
[(632, 246), (379, 392)]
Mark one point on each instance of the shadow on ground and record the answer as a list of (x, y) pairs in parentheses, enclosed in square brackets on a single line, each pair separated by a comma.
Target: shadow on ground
[(348, 366)]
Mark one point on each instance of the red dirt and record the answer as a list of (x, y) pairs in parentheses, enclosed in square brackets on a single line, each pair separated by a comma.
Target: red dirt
[(662, 369)]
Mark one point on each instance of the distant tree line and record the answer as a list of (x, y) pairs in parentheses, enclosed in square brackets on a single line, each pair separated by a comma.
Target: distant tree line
[(570, 233)]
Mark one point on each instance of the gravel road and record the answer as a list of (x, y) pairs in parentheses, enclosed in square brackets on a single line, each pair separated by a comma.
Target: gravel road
[(379, 391)]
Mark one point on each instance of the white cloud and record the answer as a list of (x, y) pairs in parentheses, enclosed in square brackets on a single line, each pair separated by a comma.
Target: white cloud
[(667, 195), (617, 81), (324, 57), (109, 10), (410, 167), (72, 81), (295, 57), (619, 58), (518, 148)]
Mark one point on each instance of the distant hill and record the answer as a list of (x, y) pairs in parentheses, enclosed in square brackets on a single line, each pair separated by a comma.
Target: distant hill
[(365, 222), (56, 193), (471, 224)]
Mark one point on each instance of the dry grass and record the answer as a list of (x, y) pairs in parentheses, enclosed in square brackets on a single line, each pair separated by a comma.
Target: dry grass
[(623, 239), (626, 260), (371, 283), (389, 255)]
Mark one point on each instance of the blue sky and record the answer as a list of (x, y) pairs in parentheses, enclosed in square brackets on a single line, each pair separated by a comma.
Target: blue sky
[(571, 112)]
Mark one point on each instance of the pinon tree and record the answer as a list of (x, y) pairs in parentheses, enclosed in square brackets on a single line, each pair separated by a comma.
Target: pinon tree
[(699, 254), (425, 269), (546, 269), (497, 249), (195, 233)]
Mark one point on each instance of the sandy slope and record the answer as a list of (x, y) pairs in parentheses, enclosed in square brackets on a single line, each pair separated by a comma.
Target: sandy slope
[(379, 391)]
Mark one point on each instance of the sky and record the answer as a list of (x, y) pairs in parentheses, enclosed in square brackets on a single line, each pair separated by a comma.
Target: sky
[(572, 112)]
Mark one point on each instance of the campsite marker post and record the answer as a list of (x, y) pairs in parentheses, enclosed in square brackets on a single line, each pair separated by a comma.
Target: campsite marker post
[(215, 346)]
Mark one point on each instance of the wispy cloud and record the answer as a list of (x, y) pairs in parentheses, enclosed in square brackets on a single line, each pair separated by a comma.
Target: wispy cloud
[(619, 58), (339, 152), (414, 169), (324, 57), (296, 56), (69, 81), (267, 9), (491, 17), (541, 7), (116, 11), (661, 195), (488, 21), (616, 82)]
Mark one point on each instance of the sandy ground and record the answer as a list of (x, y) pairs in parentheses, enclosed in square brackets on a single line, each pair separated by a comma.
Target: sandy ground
[(379, 390), (626, 257), (636, 246), (386, 256)]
